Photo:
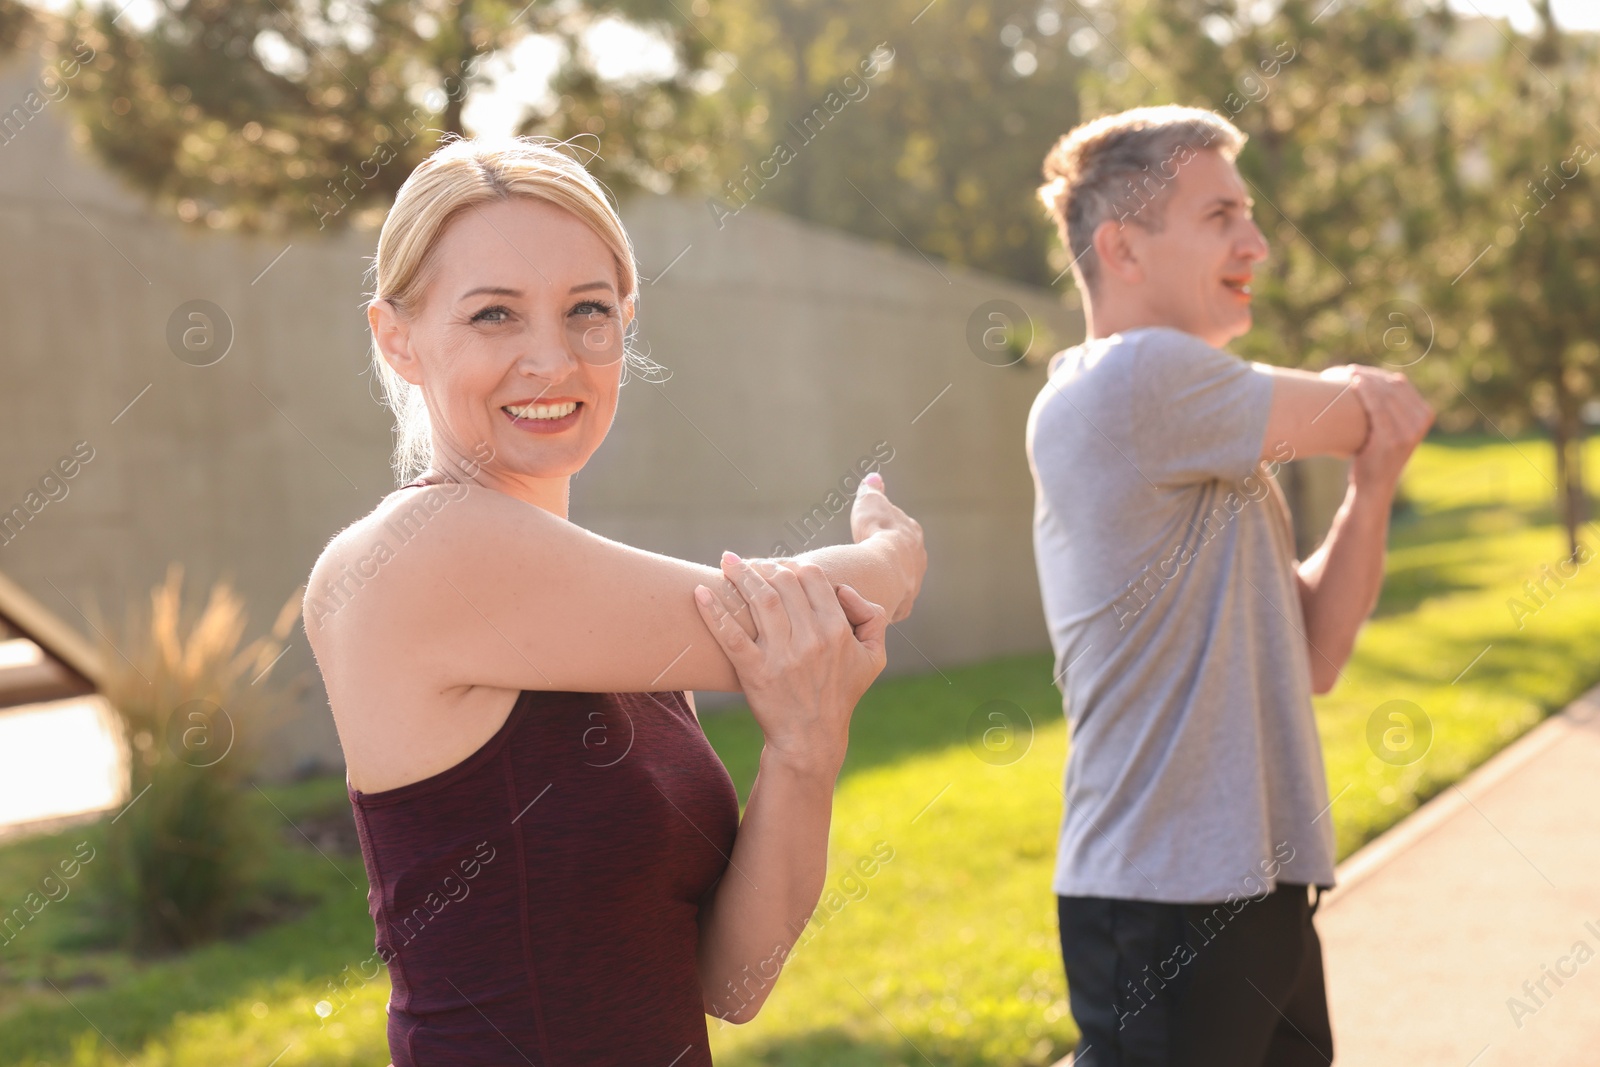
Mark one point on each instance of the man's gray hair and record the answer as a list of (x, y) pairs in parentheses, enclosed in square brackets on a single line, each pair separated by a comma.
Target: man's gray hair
[(1117, 166)]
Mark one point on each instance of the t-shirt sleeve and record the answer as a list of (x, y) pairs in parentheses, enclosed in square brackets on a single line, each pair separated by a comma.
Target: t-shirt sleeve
[(1199, 413)]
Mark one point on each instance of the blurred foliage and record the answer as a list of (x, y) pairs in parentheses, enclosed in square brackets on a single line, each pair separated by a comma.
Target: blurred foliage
[(920, 125), (17, 26), (186, 696), (1520, 236), (251, 114)]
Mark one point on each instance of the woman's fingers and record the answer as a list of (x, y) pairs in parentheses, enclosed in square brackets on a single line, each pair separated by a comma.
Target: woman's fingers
[(869, 621), (796, 605), (766, 603), (858, 610), (871, 509), (819, 592), (829, 604), (725, 629)]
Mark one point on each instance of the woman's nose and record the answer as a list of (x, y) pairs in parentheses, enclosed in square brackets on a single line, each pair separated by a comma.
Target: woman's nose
[(546, 354)]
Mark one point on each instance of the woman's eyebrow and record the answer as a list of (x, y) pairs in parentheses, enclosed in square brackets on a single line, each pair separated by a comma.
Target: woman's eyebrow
[(493, 290), (500, 290)]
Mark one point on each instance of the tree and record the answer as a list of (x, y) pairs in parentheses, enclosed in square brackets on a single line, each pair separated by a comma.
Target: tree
[(1525, 239), (916, 124), (254, 114), (258, 115), (17, 25)]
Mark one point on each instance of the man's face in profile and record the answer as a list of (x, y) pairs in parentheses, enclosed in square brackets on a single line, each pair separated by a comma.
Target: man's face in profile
[(1195, 269)]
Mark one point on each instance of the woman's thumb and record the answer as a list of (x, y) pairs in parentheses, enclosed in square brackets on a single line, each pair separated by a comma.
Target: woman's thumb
[(869, 620)]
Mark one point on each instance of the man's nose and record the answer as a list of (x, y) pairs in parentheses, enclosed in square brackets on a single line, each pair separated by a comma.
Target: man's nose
[(1256, 241)]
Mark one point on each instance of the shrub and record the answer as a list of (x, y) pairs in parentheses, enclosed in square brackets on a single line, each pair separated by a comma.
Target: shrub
[(188, 700)]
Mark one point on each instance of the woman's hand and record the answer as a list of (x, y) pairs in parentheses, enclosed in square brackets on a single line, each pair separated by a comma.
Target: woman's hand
[(873, 515), (816, 650)]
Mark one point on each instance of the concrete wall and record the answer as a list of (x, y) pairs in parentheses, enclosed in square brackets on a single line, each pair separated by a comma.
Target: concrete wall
[(793, 352)]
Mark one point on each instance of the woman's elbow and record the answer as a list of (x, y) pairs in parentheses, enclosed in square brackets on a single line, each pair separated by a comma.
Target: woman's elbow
[(736, 996)]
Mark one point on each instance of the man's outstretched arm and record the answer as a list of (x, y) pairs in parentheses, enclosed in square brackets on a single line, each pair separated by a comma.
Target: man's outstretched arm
[(1314, 414), (1340, 581)]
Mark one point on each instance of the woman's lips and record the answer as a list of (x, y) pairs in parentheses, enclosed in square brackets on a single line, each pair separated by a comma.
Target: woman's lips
[(545, 426)]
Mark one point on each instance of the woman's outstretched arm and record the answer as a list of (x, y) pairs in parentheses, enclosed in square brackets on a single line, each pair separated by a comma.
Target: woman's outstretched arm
[(899, 565), (478, 588), (819, 648)]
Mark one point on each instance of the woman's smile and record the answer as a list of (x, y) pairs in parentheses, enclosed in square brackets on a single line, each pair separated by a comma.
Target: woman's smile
[(544, 416)]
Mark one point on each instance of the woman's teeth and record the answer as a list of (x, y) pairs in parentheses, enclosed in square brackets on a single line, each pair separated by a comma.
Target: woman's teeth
[(541, 411)]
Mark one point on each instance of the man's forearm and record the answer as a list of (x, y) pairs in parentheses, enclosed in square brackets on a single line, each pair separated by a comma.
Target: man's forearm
[(1340, 582)]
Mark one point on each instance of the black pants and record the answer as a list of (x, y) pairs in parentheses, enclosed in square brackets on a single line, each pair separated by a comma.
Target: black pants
[(1196, 985)]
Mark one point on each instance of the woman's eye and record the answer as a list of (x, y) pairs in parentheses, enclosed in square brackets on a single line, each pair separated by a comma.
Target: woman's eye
[(593, 307), (487, 315)]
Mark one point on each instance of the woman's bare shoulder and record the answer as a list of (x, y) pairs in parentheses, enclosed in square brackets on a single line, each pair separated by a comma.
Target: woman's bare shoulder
[(481, 588), (353, 560), (400, 713), (398, 548)]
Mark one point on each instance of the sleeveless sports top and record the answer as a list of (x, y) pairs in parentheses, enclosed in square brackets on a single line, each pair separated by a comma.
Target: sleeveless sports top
[(538, 903)]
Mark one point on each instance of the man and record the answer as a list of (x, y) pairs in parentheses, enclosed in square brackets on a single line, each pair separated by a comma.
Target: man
[(1188, 639)]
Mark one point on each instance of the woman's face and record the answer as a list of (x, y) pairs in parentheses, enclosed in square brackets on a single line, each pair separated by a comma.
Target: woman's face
[(518, 343)]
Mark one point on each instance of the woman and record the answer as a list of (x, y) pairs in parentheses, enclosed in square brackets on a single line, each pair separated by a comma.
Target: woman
[(554, 851)]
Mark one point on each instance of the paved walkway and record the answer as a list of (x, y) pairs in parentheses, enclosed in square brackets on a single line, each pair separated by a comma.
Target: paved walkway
[(1470, 933)]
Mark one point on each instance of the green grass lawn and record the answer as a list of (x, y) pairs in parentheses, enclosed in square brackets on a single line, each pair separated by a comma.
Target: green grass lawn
[(948, 952)]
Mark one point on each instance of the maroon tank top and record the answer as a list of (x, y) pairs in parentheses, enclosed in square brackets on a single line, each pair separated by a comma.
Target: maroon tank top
[(539, 901)]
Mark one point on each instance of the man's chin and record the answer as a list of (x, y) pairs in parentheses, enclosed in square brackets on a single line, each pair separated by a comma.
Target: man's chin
[(1235, 329)]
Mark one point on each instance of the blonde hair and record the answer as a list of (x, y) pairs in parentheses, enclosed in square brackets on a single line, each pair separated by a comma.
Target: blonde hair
[(460, 174), (1116, 167)]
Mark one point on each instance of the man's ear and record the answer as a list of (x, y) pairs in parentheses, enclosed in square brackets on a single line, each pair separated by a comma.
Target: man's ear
[(392, 333), (1118, 256)]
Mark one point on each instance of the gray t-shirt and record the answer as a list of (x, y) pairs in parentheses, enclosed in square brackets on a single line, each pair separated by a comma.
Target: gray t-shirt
[(1166, 559)]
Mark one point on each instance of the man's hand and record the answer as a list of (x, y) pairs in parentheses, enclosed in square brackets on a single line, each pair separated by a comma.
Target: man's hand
[(1398, 419), (873, 514)]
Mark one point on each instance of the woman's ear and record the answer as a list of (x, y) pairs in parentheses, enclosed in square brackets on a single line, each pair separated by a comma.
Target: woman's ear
[(630, 308), (392, 334)]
